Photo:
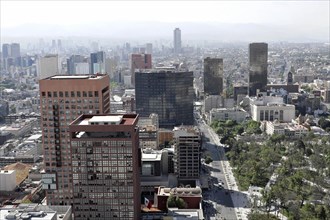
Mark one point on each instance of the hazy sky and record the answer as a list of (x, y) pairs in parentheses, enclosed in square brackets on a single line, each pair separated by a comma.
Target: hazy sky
[(295, 14)]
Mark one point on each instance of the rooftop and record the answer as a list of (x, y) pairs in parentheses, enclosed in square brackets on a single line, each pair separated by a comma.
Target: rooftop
[(75, 77), (151, 155), (180, 191), (113, 119)]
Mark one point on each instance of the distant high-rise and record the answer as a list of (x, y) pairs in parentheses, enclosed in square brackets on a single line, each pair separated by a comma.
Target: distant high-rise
[(106, 167), (53, 44), (11, 50), (97, 62), (6, 51), (177, 41), (258, 56), (140, 61), (15, 50), (168, 93), (48, 66), (72, 63), (149, 48), (290, 76), (213, 76), (59, 44), (62, 100)]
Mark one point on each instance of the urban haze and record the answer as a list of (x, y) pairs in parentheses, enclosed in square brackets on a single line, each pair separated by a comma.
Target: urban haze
[(132, 110)]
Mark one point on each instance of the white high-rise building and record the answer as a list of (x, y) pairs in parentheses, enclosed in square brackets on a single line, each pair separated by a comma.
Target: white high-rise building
[(177, 40), (48, 66)]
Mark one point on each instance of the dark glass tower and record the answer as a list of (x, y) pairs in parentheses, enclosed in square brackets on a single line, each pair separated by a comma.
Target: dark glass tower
[(213, 76), (258, 56), (168, 93)]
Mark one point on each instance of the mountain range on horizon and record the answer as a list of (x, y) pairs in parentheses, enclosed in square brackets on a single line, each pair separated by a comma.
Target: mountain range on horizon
[(193, 31)]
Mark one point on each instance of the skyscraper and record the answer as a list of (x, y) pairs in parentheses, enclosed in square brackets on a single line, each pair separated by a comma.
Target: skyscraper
[(6, 51), (168, 93), (140, 61), (15, 50), (258, 56), (48, 66), (213, 76), (106, 167), (177, 40), (63, 99), (97, 62), (72, 62)]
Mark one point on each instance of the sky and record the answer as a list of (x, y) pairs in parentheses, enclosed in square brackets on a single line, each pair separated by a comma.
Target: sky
[(305, 17)]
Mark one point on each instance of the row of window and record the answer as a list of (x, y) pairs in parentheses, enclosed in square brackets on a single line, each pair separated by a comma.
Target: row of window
[(70, 94)]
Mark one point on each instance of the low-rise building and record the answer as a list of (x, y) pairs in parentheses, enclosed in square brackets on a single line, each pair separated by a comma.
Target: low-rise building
[(223, 114), (287, 129), (191, 196), (35, 211), (270, 109)]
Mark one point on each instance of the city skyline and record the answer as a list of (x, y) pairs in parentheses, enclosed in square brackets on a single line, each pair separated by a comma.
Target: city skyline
[(222, 20)]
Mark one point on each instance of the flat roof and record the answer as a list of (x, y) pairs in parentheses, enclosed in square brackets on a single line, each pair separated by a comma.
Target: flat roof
[(125, 119), (70, 77), (108, 118), (151, 155)]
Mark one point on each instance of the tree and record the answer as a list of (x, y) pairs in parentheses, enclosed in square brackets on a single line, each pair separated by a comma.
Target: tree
[(268, 197), (208, 159), (324, 123), (175, 201)]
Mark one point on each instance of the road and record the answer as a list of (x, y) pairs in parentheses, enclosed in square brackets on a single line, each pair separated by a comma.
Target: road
[(227, 201)]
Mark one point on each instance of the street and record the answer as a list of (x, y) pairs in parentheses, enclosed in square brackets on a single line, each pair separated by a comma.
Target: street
[(224, 200)]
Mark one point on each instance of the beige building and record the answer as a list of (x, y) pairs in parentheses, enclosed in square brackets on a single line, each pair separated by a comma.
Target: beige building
[(48, 66), (63, 99), (269, 108), (287, 129)]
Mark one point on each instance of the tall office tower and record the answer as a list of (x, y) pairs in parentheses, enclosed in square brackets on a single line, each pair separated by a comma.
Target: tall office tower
[(187, 153), (213, 76), (97, 62), (62, 100), (177, 41), (48, 66), (53, 44), (59, 44), (72, 63), (149, 48), (168, 93), (15, 50), (258, 56), (106, 167), (6, 51), (139, 61)]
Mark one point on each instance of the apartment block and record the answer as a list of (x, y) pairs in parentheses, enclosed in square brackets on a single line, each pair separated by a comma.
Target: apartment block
[(106, 165), (187, 152)]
